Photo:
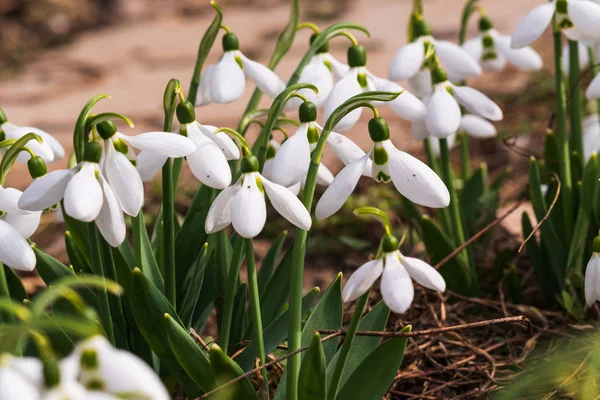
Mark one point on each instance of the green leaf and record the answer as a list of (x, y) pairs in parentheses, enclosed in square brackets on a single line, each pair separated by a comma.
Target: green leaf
[(143, 252), (373, 377), (591, 174), (191, 358), (223, 255), (49, 268), (239, 317), (190, 292), (78, 262), (15, 286), (267, 267), (312, 381), (277, 291), (575, 260), (78, 231), (225, 370), (543, 274)]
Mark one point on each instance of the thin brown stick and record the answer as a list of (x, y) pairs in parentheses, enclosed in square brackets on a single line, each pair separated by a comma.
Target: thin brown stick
[(539, 224), (479, 234)]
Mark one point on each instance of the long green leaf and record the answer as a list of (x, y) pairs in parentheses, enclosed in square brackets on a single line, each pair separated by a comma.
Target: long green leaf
[(15, 286), (191, 286), (225, 370), (49, 268), (143, 252), (312, 381), (267, 266)]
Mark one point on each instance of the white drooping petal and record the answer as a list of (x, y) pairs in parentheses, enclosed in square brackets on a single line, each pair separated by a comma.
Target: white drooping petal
[(423, 273), (14, 249), (340, 189), (162, 143), (456, 60), (347, 151), (443, 114), (208, 163), (14, 386), (406, 105), (265, 79), (415, 180), (42, 149), (287, 204), (110, 221), (586, 17), (83, 195), (477, 103), (324, 175), (9, 200), (203, 94), (420, 85), (533, 25), (46, 191), (341, 92), (219, 214), (476, 126), (362, 279), (30, 368), (248, 208), (584, 59), (26, 222), (474, 47), (592, 272), (591, 136), (338, 68), (124, 179), (408, 61), (396, 287), (221, 139), (58, 150), (317, 74), (149, 164), (419, 131), (227, 80), (292, 160), (524, 58), (593, 90)]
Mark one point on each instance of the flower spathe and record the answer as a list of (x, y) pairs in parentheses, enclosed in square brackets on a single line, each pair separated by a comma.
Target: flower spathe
[(243, 204), (225, 81), (577, 20)]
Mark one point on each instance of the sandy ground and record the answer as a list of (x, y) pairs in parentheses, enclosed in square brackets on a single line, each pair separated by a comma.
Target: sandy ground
[(134, 60)]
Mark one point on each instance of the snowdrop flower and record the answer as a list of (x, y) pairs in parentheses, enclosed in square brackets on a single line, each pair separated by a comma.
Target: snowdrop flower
[(410, 62), (443, 116), (396, 271), (591, 136), (584, 57), (243, 204), (411, 177), (20, 378), (577, 19), (359, 80), (592, 275), (470, 124), (49, 148), (87, 195), (225, 81), (272, 150), (99, 367), (73, 390), (492, 50)]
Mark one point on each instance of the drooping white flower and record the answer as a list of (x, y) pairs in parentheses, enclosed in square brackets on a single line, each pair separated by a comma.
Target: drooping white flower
[(592, 277), (243, 204), (359, 80), (584, 57), (20, 378), (396, 271), (411, 177), (492, 50), (49, 149), (577, 19), (73, 390), (411, 59), (225, 81), (591, 136), (102, 369)]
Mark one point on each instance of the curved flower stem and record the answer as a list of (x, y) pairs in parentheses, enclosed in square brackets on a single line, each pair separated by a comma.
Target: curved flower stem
[(232, 281), (98, 269), (5, 292), (345, 350), (575, 95), (255, 308), (563, 141)]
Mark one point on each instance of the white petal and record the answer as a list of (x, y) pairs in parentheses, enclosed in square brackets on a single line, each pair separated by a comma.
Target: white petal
[(219, 214), (435, 143), (315, 73), (593, 91), (477, 103), (347, 151), (203, 94), (591, 279), (15, 386), (584, 59), (110, 221), (407, 105), (456, 60), (228, 81), (443, 114), (419, 131), (149, 164), (248, 208), (474, 47), (341, 92), (292, 160), (42, 149), (586, 17), (340, 189), (25, 222), (14, 249), (9, 200), (208, 163), (396, 287), (416, 181), (524, 58), (338, 68), (124, 179), (162, 143), (30, 368), (533, 25), (46, 191), (477, 127), (591, 136), (423, 273), (421, 84), (362, 279), (324, 175), (83, 195), (57, 149), (287, 204), (408, 61), (263, 77), (221, 139)]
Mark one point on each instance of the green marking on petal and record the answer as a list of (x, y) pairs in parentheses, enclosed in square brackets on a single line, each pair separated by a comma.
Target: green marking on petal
[(121, 146), (238, 60), (362, 80), (328, 65), (259, 184), (382, 177), (380, 156), (312, 134)]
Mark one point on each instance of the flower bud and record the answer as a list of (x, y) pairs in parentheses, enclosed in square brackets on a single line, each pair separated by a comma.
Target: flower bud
[(357, 56), (230, 42), (322, 49), (378, 129), (249, 164), (307, 112), (185, 112), (92, 152), (389, 244), (106, 129), (37, 167), (421, 28)]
